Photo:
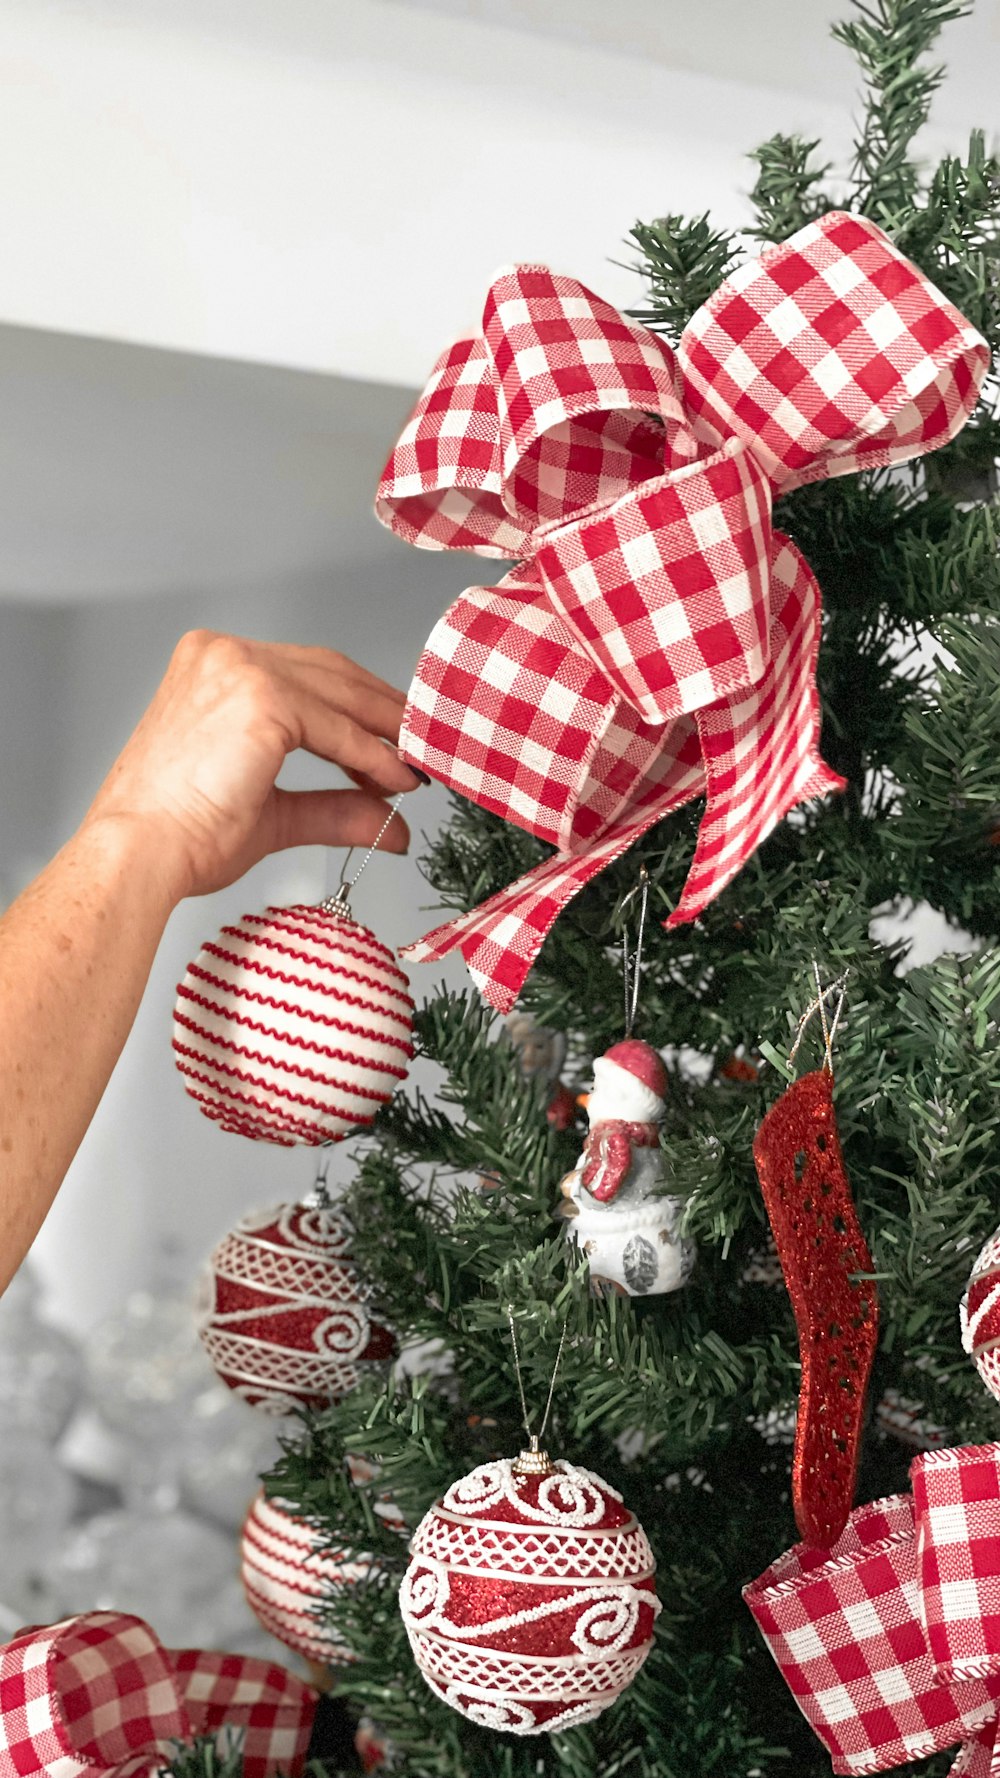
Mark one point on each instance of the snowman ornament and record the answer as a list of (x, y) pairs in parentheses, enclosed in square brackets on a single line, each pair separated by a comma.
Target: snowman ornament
[(615, 1206)]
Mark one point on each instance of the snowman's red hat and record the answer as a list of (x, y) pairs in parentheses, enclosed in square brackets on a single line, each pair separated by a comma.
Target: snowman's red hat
[(642, 1061)]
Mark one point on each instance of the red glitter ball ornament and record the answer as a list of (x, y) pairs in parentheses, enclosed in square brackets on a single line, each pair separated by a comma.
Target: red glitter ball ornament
[(529, 1601), (284, 1319), (293, 1026), (821, 1247), (980, 1315)]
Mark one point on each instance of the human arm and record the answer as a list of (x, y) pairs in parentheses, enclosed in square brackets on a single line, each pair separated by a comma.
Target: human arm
[(190, 804)]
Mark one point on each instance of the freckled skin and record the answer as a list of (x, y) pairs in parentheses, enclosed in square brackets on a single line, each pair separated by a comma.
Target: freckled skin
[(190, 804)]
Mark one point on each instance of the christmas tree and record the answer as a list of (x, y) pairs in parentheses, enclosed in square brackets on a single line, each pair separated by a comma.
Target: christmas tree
[(683, 1401)]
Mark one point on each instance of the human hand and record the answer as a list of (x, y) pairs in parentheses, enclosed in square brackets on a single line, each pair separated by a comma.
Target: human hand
[(197, 777)]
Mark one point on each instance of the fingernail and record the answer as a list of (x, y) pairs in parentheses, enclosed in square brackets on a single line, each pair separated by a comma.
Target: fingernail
[(417, 773)]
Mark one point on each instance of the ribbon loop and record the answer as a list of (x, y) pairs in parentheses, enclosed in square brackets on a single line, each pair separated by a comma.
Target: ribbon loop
[(890, 1641), (642, 653), (576, 385), (97, 1696), (828, 354)]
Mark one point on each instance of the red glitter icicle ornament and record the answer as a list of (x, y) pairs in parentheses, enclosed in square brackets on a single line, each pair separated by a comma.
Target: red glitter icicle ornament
[(824, 1258)]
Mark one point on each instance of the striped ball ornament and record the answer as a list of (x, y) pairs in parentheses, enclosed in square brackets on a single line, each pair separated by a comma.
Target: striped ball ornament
[(287, 1572), (284, 1315), (293, 1026), (530, 1600), (980, 1315)]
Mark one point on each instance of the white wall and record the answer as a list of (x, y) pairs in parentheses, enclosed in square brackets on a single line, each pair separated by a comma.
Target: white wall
[(207, 493)]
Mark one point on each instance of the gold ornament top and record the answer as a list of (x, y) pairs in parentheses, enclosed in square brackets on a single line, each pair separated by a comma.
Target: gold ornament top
[(533, 1461)]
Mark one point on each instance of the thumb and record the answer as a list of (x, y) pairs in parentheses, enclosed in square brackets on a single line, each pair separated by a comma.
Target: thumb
[(335, 818)]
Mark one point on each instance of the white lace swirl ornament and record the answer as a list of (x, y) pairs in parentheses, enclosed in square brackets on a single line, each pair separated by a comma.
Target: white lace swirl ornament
[(529, 1600), (283, 1313), (293, 1026), (287, 1571)]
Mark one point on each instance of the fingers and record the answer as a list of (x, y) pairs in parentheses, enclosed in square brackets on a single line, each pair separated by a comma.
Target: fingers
[(341, 683), (333, 735), (328, 662), (334, 818)]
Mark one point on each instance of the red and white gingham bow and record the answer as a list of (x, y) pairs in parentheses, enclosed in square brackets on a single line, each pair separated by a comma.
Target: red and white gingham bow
[(890, 1641), (658, 638), (98, 1697)]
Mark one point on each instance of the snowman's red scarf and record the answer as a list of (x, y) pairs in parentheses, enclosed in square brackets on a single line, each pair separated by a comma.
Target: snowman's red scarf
[(607, 1154)]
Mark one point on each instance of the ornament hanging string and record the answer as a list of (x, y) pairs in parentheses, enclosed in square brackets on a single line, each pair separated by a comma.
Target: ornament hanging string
[(535, 1438), (339, 901), (631, 970), (818, 1005)]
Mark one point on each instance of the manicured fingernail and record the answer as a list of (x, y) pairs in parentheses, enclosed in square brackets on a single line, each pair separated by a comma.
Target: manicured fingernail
[(417, 773)]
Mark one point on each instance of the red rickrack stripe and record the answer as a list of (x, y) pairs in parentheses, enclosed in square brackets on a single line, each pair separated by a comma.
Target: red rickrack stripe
[(231, 1016), (216, 1042), (330, 966), (303, 1012), (282, 1128), (376, 953), (266, 1086), (301, 982)]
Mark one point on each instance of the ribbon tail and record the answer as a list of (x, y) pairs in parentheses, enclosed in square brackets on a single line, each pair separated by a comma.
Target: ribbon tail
[(501, 939), (239, 1697), (980, 1757), (761, 745)]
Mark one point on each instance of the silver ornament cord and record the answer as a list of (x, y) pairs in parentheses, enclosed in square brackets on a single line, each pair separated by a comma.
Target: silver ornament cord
[(339, 901), (520, 1380), (818, 1005), (630, 970)]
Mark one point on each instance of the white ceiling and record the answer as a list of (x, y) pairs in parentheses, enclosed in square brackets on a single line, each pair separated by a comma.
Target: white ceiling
[(778, 43), (330, 184)]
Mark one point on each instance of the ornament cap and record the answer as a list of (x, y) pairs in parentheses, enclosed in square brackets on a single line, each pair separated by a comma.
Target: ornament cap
[(533, 1461), (339, 905)]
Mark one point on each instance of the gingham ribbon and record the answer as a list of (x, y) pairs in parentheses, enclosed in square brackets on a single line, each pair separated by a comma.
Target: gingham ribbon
[(97, 1697), (658, 638), (890, 1642)]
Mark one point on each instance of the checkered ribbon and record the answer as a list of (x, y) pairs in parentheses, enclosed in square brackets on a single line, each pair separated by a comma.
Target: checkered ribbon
[(97, 1697), (658, 639), (890, 1642)]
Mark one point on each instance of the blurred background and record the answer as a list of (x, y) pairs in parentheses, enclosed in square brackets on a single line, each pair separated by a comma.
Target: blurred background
[(236, 235)]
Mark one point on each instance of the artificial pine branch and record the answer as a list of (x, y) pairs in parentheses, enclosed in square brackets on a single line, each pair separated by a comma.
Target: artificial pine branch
[(787, 192), (683, 262), (205, 1758), (889, 40)]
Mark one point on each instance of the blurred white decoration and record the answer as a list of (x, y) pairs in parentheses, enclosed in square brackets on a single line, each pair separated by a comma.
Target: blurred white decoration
[(777, 1426), (37, 1499), (168, 1567), (224, 1448), (41, 1370), (927, 932), (126, 1470), (145, 1370)]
